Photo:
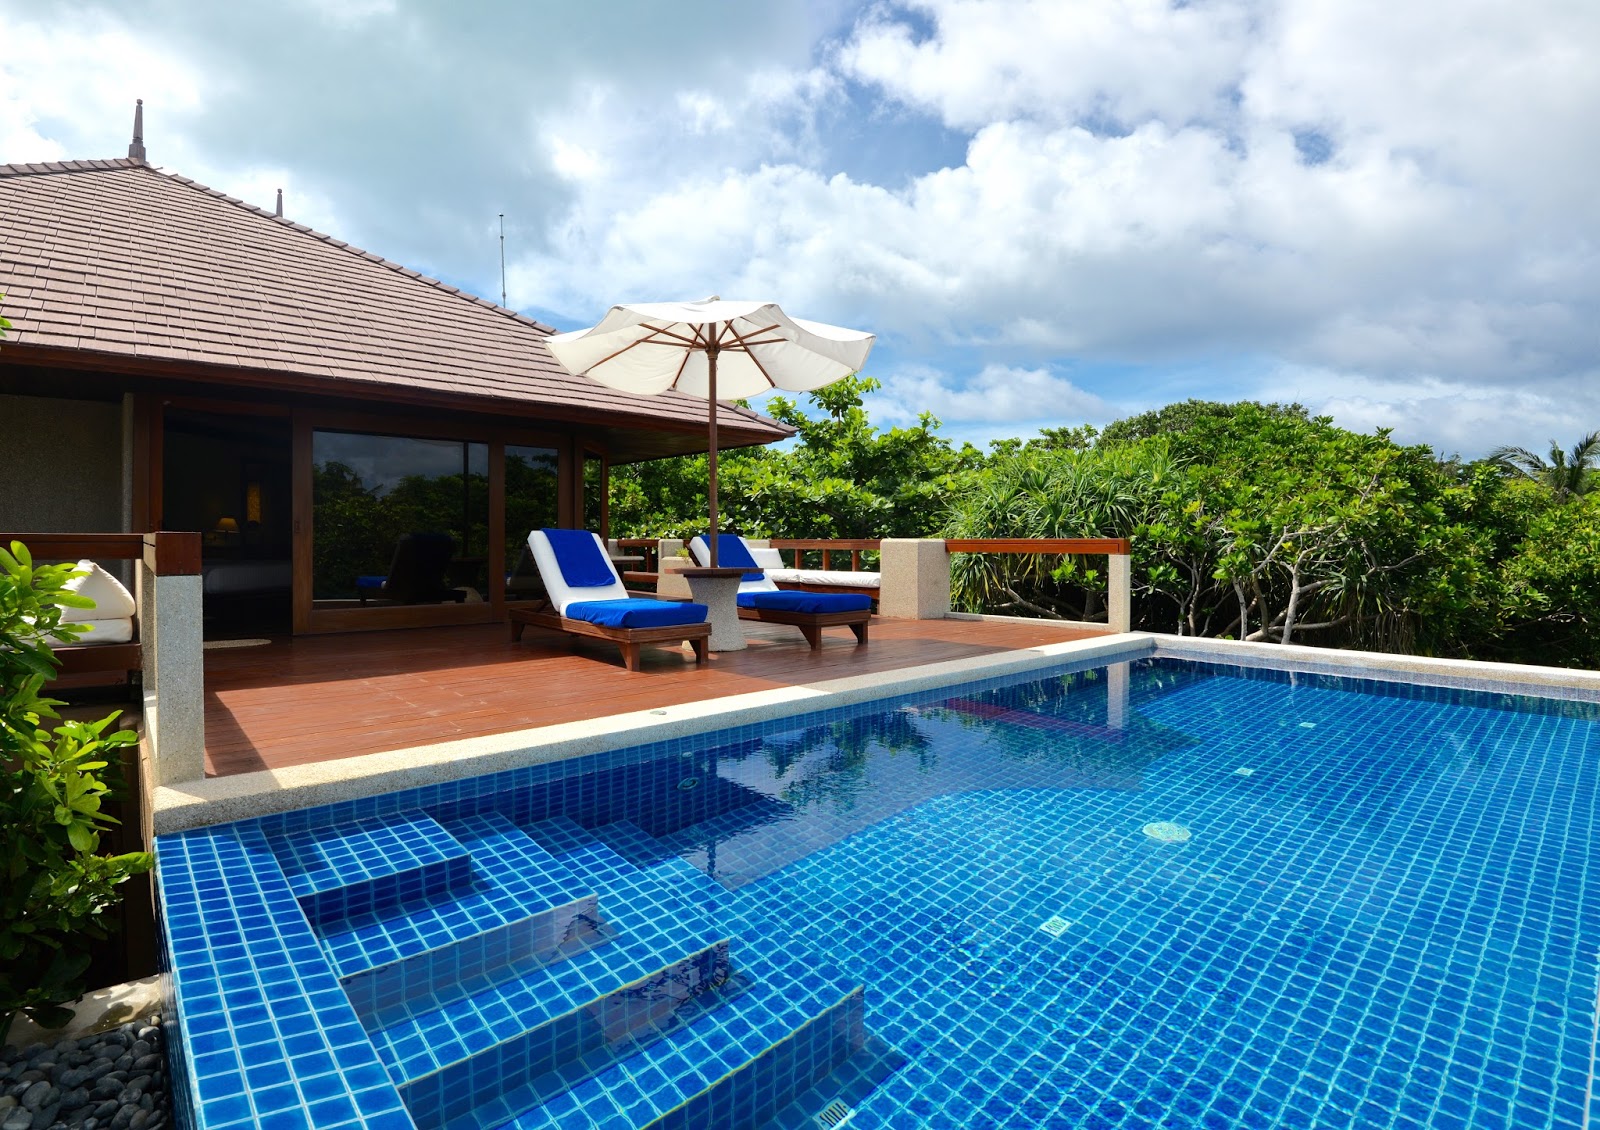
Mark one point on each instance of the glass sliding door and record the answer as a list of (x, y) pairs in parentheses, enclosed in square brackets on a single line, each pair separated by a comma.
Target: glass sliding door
[(398, 520), (533, 502)]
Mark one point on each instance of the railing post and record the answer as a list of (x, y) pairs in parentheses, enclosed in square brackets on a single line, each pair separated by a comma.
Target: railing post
[(169, 600), (1119, 595), (914, 579)]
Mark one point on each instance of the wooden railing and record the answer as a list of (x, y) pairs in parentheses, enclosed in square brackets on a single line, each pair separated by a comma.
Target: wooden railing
[(167, 553), (1043, 546), (853, 546)]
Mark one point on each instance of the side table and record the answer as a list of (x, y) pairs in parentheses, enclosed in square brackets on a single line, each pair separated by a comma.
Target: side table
[(718, 590)]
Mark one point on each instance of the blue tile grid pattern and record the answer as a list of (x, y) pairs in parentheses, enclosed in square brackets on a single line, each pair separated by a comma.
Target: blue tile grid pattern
[(1153, 892)]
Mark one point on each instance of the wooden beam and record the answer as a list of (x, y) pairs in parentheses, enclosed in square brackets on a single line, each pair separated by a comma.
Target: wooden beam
[(1118, 546), (172, 554)]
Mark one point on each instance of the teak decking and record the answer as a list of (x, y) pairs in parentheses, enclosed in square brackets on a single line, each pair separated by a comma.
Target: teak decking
[(318, 698)]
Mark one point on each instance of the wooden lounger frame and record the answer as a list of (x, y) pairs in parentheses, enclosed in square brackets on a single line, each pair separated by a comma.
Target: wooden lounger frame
[(812, 623), (629, 639)]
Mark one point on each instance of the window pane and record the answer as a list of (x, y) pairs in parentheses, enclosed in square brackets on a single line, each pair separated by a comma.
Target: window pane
[(594, 489), (532, 502), (399, 520)]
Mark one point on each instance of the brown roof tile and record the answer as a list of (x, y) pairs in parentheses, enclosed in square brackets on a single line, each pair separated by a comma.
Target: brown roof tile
[(122, 258)]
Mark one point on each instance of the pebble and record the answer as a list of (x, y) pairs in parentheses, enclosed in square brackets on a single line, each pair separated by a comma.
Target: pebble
[(117, 1079)]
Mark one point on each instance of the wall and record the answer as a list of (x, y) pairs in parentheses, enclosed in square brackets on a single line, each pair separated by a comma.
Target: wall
[(62, 468)]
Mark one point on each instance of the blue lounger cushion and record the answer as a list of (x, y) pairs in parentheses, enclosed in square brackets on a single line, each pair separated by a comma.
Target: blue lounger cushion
[(582, 564), (732, 553), (637, 613), (789, 600)]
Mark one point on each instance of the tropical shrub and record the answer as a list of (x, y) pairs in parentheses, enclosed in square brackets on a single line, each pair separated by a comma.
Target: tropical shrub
[(57, 886)]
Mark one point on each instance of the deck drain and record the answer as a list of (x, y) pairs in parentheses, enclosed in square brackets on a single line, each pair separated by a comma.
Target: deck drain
[(1055, 925), (834, 1114), (688, 783), (1166, 832)]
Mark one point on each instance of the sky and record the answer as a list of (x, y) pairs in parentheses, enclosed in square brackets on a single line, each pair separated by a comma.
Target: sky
[(1050, 213)]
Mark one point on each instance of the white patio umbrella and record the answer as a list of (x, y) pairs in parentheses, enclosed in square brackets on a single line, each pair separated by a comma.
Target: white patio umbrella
[(711, 348)]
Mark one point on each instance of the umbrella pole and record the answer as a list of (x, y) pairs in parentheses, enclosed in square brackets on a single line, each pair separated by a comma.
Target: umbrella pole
[(711, 400)]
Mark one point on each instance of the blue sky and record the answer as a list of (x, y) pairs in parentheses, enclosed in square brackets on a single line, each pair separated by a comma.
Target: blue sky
[(1051, 213)]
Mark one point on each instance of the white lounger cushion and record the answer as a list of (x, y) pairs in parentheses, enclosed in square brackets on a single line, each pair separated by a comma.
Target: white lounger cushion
[(104, 631), (562, 594), (771, 560), (862, 580), (111, 600)]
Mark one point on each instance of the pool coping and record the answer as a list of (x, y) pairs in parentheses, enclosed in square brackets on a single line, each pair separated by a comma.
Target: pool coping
[(219, 800)]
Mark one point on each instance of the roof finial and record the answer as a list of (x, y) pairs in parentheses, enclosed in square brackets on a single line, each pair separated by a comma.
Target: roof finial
[(136, 149), (279, 212)]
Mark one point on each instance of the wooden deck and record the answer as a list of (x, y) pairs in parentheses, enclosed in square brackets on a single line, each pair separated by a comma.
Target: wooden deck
[(317, 698)]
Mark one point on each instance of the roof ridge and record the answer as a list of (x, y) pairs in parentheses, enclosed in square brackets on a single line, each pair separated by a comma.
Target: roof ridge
[(118, 163), (35, 168)]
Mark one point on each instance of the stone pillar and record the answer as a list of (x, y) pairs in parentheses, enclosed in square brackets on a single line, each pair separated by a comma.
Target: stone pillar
[(914, 579), (1119, 595), (669, 585), (174, 675)]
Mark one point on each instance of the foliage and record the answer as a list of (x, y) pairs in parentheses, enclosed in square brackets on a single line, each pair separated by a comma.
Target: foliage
[(1249, 521), (1567, 474), (839, 478), (4, 324), (57, 887)]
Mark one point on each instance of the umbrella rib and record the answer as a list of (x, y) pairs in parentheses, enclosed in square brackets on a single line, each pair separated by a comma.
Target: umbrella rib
[(634, 344), (754, 360)]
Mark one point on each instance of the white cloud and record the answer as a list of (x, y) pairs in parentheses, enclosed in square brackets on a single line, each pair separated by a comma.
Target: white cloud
[(998, 394), (1402, 195)]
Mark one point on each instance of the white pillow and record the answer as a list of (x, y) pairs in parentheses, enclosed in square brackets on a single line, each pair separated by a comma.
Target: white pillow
[(111, 600), (119, 630), (767, 558)]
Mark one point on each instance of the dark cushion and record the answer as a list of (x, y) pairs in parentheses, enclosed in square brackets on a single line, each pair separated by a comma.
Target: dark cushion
[(370, 582), (637, 613), (733, 554), (792, 600), (582, 564)]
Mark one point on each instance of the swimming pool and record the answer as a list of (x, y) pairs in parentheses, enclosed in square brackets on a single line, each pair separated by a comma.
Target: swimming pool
[(1155, 892)]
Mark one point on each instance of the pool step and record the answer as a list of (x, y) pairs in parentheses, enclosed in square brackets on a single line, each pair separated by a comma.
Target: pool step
[(852, 1088), (462, 1045), (752, 1044), (517, 903), (636, 1012), (733, 1065), (362, 866)]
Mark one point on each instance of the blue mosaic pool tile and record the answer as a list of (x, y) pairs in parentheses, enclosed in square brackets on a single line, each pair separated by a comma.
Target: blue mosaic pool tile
[(349, 869), (267, 1035), (811, 1022), (513, 883), (647, 929), (472, 1090), (755, 1090), (1382, 917)]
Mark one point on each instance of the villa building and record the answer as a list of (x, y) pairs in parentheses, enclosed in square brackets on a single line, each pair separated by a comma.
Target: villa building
[(181, 360)]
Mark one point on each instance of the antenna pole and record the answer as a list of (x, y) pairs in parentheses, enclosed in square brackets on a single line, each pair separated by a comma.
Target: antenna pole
[(502, 258)]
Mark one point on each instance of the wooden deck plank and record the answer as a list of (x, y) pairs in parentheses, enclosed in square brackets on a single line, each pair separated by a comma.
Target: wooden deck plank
[(318, 698)]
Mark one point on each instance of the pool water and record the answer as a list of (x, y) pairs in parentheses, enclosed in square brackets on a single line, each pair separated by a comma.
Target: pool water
[(1157, 893)]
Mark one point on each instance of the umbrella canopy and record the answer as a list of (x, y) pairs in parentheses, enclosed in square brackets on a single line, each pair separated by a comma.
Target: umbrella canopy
[(713, 349)]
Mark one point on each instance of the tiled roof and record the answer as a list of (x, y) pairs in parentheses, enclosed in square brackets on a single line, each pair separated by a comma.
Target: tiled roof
[(118, 258)]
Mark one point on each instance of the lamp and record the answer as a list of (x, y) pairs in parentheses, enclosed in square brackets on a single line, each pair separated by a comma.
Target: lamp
[(228, 526)]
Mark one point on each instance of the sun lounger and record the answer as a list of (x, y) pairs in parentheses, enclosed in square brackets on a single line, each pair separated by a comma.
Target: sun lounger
[(587, 599), (760, 599)]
